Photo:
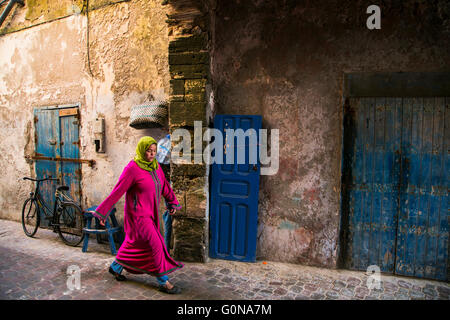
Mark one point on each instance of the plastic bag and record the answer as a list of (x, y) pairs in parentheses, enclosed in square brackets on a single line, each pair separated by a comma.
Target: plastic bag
[(163, 153)]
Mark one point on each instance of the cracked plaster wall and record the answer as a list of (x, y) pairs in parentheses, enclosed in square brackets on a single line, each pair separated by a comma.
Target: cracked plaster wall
[(46, 65), (285, 60)]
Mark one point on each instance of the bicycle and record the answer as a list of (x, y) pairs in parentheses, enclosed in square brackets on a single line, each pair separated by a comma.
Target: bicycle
[(66, 218)]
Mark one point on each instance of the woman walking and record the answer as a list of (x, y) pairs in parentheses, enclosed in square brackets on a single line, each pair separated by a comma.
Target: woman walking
[(143, 250)]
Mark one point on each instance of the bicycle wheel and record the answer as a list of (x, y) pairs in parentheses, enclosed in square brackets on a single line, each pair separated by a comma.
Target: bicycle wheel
[(30, 217), (71, 224)]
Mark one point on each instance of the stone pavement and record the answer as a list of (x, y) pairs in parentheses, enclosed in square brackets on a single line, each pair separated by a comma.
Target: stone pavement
[(36, 268)]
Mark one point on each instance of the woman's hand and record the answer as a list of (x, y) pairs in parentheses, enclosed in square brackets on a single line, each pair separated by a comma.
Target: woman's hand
[(172, 211), (102, 222)]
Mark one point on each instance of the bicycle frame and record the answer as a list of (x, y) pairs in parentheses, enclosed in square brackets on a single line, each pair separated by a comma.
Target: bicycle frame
[(66, 218), (42, 205)]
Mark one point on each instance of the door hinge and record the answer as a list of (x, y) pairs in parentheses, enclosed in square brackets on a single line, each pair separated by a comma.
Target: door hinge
[(90, 162)]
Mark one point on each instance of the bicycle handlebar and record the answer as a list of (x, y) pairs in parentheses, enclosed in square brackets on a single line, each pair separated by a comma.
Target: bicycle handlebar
[(39, 180)]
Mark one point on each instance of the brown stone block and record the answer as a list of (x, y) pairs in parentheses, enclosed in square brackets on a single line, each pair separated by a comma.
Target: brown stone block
[(190, 170), (177, 87), (195, 90), (183, 114), (195, 97), (189, 239), (176, 98), (189, 58), (193, 202), (195, 43), (181, 183), (190, 192), (195, 205), (192, 71)]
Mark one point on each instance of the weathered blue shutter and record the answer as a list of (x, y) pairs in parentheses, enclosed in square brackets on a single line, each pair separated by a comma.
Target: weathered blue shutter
[(373, 186), (56, 136), (47, 144), (70, 143), (423, 233)]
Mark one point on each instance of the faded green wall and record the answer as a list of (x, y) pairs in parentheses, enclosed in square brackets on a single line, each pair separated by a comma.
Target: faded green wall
[(36, 12)]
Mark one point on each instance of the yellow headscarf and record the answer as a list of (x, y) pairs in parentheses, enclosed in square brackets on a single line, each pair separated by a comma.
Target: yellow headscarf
[(140, 160)]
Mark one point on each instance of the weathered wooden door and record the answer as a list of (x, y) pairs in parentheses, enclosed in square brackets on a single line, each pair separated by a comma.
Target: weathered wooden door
[(56, 144), (395, 185), (234, 192), (423, 227)]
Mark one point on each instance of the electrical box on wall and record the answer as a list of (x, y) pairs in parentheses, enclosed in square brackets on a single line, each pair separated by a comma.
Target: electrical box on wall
[(99, 135)]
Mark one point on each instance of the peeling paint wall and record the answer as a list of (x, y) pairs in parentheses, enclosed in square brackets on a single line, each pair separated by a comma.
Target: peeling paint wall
[(46, 64), (285, 60)]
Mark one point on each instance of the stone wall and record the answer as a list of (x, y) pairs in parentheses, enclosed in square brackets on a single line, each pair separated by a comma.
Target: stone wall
[(44, 62), (189, 72)]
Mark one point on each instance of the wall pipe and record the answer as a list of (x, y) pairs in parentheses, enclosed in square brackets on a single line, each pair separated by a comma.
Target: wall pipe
[(8, 9)]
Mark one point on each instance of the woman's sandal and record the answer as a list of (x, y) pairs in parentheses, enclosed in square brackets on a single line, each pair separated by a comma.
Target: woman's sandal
[(174, 290), (116, 275)]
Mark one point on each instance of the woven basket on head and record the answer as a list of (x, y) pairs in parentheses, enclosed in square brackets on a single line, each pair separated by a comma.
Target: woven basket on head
[(149, 115)]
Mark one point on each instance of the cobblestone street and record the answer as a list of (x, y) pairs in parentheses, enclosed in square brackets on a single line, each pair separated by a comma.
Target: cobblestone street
[(36, 268)]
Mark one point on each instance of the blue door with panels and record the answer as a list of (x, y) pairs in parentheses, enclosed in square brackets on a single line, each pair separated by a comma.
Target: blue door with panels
[(395, 185), (57, 151), (234, 191)]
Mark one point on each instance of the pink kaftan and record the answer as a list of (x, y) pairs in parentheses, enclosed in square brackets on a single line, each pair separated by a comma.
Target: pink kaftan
[(143, 250)]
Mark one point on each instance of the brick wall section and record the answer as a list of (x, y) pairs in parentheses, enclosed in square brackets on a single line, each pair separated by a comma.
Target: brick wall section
[(189, 73)]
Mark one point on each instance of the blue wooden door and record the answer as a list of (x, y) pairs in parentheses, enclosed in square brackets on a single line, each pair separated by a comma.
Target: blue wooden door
[(47, 145), (56, 136), (395, 185), (423, 228), (70, 149), (234, 192)]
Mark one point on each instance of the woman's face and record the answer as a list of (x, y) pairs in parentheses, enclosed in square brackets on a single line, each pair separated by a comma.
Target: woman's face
[(150, 153)]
